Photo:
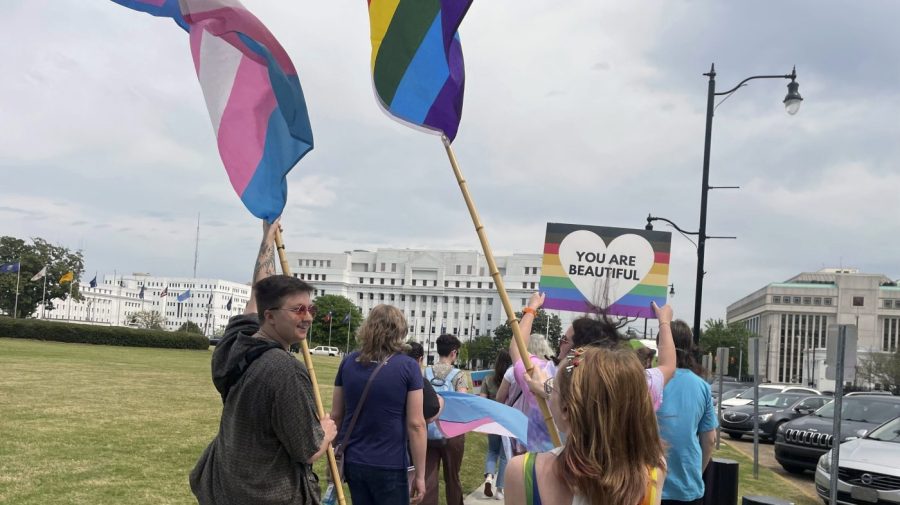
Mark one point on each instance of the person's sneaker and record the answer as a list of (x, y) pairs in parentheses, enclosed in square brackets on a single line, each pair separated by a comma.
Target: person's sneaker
[(488, 485), (499, 494)]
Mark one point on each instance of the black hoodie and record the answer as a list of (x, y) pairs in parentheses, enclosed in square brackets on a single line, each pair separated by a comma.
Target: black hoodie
[(268, 429)]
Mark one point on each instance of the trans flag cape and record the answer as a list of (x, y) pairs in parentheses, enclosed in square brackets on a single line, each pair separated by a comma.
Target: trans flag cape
[(252, 93), (417, 61), (463, 413)]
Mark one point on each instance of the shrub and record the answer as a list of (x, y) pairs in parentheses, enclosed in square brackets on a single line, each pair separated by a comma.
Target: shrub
[(100, 335)]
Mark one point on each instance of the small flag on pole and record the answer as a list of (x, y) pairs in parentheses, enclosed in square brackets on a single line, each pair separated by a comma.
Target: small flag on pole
[(9, 268), (94, 281), (346, 318), (228, 305), (141, 294), (184, 296), (209, 303), (417, 62), (40, 275), (164, 293), (67, 277)]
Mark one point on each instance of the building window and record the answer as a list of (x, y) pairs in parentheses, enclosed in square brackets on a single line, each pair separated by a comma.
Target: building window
[(360, 296), (817, 300), (434, 299), (381, 281), (402, 298), (490, 301), (412, 298), (382, 267), (469, 269), (468, 284), (807, 300), (796, 300), (361, 280), (392, 298), (371, 280), (481, 271), (393, 267), (479, 285), (381, 296), (489, 317), (826, 301), (371, 296), (776, 299), (423, 314), (414, 282), (455, 299), (859, 301), (458, 270), (888, 304), (392, 281), (446, 284), (490, 285), (445, 299)]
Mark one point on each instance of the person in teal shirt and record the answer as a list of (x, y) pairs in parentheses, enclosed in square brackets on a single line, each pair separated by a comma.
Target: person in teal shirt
[(687, 422)]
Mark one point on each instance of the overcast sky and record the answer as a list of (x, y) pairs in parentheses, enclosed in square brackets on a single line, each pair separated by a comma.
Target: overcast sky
[(587, 112)]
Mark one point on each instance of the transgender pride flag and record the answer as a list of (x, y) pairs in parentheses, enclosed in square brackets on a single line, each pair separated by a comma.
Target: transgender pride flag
[(252, 93), (463, 413)]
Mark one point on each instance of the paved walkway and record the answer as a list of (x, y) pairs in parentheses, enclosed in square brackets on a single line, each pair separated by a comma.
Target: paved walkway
[(476, 497)]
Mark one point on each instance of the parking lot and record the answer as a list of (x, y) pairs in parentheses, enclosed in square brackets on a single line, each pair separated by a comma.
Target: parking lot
[(805, 482)]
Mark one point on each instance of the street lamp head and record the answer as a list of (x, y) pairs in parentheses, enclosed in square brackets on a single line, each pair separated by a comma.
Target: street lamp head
[(649, 225), (671, 290), (793, 99)]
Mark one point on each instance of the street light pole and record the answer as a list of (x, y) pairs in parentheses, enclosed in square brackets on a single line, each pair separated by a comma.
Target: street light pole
[(792, 104)]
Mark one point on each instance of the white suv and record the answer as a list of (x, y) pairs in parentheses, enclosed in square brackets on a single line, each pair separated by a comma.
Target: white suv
[(746, 397), (324, 350)]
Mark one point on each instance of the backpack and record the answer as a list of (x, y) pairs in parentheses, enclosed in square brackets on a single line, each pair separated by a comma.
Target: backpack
[(445, 384)]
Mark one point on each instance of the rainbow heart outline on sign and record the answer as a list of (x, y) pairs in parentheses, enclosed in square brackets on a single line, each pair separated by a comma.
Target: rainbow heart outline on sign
[(605, 274)]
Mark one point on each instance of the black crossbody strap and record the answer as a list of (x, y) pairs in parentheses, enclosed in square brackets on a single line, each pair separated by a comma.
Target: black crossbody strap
[(362, 399)]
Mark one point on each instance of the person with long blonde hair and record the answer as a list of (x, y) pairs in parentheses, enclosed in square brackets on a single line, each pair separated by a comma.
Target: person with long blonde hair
[(613, 454), (390, 418)]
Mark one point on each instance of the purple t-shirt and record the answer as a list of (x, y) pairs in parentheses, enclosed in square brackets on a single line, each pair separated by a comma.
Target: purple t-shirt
[(379, 437)]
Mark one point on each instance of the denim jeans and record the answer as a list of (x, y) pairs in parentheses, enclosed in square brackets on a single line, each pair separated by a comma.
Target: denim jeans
[(370, 485), (495, 452)]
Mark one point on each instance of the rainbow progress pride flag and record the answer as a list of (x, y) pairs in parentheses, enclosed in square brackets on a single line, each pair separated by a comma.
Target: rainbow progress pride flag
[(417, 61), (619, 270), (252, 92)]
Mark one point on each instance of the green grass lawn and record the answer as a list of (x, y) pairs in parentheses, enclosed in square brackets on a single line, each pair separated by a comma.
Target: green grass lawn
[(84, 424), (769, 482)]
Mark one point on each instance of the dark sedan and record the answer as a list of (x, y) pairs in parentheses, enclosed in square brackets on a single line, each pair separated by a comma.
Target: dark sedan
[(774, 410)]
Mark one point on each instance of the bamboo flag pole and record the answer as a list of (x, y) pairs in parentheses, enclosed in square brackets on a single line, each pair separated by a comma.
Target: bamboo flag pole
[(307, 359), (501, 289)]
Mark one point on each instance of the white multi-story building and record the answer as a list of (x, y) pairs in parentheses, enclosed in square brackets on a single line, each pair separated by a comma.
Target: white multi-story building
[(437, 290), (794, 316), (115, 300)]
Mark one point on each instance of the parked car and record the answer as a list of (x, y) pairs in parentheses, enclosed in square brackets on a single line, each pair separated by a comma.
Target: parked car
[(747, 396), (214, 341), (324, 350), (774, 410), (727, 395), (868, 470), (800, 443), (857, 393), (727, 387)]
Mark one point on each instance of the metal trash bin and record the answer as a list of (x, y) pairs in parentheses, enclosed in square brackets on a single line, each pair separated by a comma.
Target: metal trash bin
[(721, 481), (764, 500)]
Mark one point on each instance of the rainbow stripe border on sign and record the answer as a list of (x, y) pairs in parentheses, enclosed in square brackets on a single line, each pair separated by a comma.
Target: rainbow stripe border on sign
[(562, 294)]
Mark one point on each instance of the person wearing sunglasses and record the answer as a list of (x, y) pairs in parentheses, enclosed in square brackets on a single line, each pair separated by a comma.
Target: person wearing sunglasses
[(269, 432)]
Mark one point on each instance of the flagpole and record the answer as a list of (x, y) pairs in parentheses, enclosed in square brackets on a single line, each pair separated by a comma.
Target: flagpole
[(501, 289), (347, 350), (307, 359), (69, 304), (330, 320), (18, 277), (44, 296)]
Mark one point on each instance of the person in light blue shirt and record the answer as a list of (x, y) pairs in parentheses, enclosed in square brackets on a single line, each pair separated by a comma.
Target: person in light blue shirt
[(687, 422)]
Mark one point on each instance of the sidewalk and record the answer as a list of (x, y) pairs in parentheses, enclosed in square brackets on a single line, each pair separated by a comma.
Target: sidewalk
[(476, 497)]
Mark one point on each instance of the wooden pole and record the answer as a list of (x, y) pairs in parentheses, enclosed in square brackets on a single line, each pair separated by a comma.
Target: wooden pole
[(501, 289), (307, 359)]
